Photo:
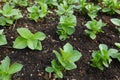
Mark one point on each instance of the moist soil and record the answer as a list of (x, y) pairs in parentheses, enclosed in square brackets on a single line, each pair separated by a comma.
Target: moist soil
[(35, 62)]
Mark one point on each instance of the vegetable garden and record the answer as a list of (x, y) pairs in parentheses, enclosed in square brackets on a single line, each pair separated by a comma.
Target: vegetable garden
[(60, 40)]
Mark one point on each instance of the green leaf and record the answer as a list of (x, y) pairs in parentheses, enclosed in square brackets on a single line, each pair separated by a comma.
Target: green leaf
[(66, 55), (49, 69), (34, 16), (110, 51), (7, 9), (33, 9), (117, 44), (115, 21), (39, 36), (116, 55), (92, 15), (44, 9), (6, 77), (65, 9), (17, 15), (60, 58), (2, 21), (117, 11), (68, 21), (9, 21), (59, 74), (106, 9), (75, 56), (34, 12), (57, 68), (22, 3), (5, 64), (68, 30), (103, 47), (15, 68), (92, 36), (68, 47), (32, 44), (1, 31), (39, 46), (3, 40), (63, 37), (20, 43), (25, 33), (70, 66), (105, 64)]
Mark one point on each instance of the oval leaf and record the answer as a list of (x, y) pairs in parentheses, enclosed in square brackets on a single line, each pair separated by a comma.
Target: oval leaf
[(39, 35), (15, 68), (25, 33), (20, 43), (115, 21)]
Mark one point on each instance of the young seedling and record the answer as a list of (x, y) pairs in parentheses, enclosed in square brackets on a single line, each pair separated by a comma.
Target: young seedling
[(116, 22), (103, 57), (23, 3), (111, 6), (117, 44), (7, 70), (92, 10), (52, 2), (3, 40), (66, 26), (9, 15), (94, 27), (38, 11), (81, 5), (65, 60), (65, 9), (71, 2), (29, 39), (34, 12), (117, 56)]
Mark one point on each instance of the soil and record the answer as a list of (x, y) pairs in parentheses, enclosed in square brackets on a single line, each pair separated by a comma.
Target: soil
[(35, 62)]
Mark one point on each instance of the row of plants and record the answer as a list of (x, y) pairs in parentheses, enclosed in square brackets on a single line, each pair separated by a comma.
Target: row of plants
[(66, 59), (26, 39), (67, 56), (65, 10)]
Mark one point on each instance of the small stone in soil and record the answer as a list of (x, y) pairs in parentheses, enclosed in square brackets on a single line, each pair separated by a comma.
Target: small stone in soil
[(75, 39), (11, 37), (12, 52), (26, 26), (22, 74), (48, 35), (26, 53), (39, 74), (73, 79), (31, 75), (90, 50), (113, 35)]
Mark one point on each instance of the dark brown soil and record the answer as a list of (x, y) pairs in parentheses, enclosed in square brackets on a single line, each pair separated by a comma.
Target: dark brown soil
[(35, 62)]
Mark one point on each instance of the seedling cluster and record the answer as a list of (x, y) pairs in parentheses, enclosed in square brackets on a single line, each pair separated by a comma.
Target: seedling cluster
[(7, 70), (103, 57), (65, 60), (26, 38), (9, 15), (65, 9)]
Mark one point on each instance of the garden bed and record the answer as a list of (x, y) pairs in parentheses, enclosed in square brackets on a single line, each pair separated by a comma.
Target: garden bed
[(35, 62)]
